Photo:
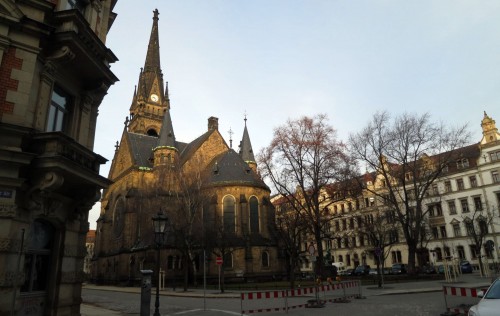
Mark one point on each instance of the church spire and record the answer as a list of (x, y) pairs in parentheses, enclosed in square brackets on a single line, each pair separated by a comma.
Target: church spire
[(166, 137), (152, 63), (151, 97), (246, 151)]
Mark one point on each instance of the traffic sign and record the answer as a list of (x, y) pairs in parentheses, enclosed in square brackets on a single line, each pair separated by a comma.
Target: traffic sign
[(218, 260)]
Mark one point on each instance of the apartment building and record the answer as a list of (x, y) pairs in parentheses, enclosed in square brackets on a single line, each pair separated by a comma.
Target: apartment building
[(54, 74), (467, 192)]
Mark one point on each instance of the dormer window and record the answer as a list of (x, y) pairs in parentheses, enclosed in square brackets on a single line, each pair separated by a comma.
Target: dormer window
[(462, 163)]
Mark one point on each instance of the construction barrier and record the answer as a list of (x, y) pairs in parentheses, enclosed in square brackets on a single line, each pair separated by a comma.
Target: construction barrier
[(458, 299), (283, 300)]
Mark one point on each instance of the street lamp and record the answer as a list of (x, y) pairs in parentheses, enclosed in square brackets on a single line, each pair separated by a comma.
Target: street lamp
[(160, 226)]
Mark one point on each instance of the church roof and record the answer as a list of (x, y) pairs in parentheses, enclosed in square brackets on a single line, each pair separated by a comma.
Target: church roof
[(230, 169), (141, 146), (167, 136), (190, 148)]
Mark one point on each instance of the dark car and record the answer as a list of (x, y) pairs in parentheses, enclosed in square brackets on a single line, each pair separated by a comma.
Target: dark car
[(428, 269), (362, 270), (398, 268), (347, 272), (466, 267)]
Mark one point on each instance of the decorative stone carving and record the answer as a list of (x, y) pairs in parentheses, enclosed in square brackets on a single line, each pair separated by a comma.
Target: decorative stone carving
[(5, 244), (8, 210), (39, 194), (62, 55), (7, 278)]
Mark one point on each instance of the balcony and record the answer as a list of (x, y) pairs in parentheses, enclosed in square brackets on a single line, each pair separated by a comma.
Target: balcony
[(78, 166)]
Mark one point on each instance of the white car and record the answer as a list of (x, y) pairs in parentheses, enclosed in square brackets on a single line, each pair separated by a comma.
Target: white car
[(489, 305)]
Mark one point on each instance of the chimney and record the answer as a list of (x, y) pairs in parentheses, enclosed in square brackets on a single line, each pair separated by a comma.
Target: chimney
[(213, 123)]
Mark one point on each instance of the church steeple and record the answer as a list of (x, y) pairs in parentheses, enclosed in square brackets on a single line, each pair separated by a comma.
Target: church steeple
[(490, 131), (246, 151), (150, 98)]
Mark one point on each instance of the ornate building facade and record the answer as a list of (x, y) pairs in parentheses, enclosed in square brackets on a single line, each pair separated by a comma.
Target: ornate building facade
[(213, 196), (465, 197), (54, 73)]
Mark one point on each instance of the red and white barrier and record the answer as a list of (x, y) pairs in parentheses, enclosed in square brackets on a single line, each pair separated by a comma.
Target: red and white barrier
[(460, 299), (283, 300)]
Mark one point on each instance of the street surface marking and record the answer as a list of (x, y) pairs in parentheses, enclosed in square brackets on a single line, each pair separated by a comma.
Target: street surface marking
[(213, 310)]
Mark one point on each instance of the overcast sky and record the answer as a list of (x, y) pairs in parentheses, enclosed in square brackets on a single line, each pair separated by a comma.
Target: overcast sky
[(280, 59)]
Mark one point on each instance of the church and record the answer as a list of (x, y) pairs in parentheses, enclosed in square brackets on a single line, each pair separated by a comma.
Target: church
[(217, 204)]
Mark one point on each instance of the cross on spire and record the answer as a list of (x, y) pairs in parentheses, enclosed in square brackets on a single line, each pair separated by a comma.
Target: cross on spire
[(230, 137)]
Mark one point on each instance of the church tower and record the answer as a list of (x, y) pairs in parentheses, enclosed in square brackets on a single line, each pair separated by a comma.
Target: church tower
[(490, 131), (246, 151), (150, 101), (166, 153)]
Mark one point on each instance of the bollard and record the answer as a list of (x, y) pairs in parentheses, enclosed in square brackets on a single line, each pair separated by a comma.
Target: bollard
[(146, 292)]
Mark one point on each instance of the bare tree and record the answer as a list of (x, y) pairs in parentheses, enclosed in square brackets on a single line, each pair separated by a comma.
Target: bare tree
[(478, 226), (381, 230), (183, 196), (221, 240), (409, 153), (288, 231), (303, 158)]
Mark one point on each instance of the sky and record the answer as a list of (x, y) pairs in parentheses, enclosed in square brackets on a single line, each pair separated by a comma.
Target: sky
[(274, 60)]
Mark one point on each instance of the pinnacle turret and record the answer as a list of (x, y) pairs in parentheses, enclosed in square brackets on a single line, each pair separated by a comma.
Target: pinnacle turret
[(246, 151)]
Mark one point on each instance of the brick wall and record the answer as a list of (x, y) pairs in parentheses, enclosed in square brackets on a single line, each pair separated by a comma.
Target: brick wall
[(9, 62)]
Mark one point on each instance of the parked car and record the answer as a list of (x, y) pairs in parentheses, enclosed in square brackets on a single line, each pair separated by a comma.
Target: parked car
[(466, 267), (428, 269), (373, 272), (489, 305), (398, 268), (440, 269), (347, 272), (362, 269)]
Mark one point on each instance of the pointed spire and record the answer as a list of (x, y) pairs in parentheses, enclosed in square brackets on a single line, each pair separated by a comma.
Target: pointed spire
[(246, 151), (151, 76), (166, 137), (166, 91), (150, 96), (230, 137), (153, 56)]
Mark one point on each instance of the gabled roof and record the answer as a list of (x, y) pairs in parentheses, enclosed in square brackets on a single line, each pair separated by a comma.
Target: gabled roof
[(230, 169), (190, 148), (141, 147)]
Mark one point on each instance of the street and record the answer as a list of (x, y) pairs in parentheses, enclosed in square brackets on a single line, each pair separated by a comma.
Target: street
[(420, 304)]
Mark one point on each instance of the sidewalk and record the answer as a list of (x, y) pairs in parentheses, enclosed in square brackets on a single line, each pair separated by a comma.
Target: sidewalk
[(465, 280), (90, 310)]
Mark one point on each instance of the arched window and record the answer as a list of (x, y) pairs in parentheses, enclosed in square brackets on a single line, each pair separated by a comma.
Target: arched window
[(265, 259), (229, 216), (152, 132), (37, 263), (254, 215)]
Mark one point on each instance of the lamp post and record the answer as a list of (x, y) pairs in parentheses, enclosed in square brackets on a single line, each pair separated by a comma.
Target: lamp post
[(160, 226)]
